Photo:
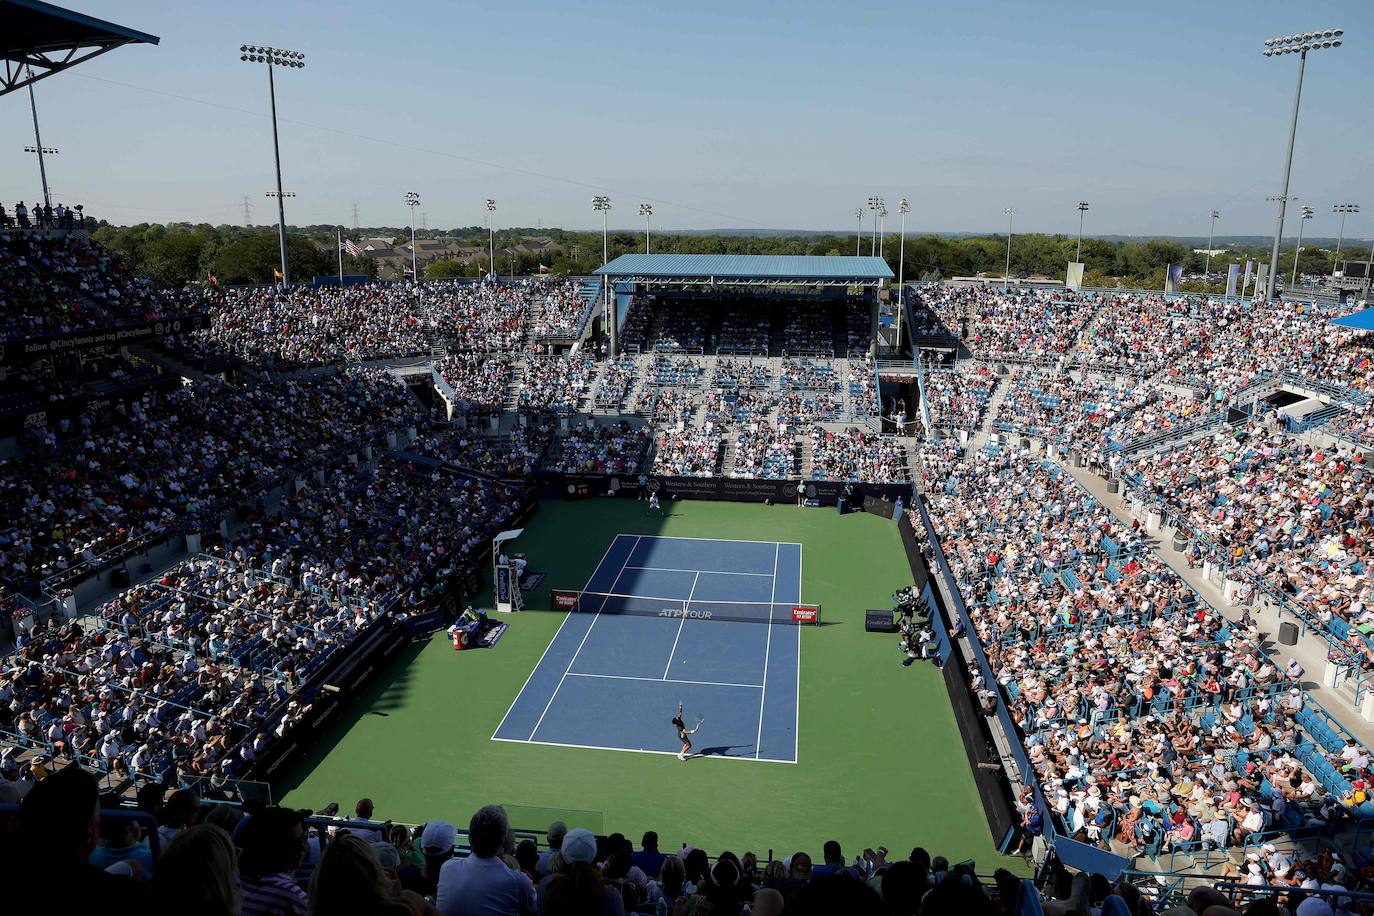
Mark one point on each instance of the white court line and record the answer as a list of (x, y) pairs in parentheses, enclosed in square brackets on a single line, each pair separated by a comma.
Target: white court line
[(583, 642), (767, 647), (677, 537), (796, 706), (566, 618), (713, 572), (631, 750), (662, 680), (682, 623)]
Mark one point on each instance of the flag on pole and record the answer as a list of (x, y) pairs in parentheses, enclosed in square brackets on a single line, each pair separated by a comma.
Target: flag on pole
[(352, 248), (212, 279), (276, 274), (543, 268)]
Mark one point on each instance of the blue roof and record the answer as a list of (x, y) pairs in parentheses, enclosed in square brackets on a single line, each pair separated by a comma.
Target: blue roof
[(1364, 321), (792, 268)]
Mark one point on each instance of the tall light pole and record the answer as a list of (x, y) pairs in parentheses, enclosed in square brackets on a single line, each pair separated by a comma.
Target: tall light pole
[(491, 234), (1307, 213), (903, 208), (874, 204), (1006, 277), (273, 58), (1344, 210), (412, 201), (38, 146), (1211, 232), (1298, 44), (858, 233), (646, 211), (602, 204), (1078, 252), (882, 229)]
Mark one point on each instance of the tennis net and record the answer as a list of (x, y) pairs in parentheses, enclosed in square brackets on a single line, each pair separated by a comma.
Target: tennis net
[(693, 609)]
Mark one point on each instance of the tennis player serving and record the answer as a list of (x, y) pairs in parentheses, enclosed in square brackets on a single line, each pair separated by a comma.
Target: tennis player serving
[(684, 733)]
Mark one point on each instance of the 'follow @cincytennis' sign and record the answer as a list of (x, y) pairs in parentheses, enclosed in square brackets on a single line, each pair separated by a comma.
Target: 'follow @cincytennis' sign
[(17, 353)]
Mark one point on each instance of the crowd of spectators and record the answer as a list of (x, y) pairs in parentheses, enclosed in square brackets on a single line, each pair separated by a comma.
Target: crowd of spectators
[(480, 381), (689, 451), (614, 386), (856, 454), (52, 286), (744, 328), (559, 310), (1009, 325), (808, 375), (863, 387), (807, 329), (43, 216), (676, 371), (742, 373), (557, 383), (593, 448), (515, 455), (766, 451), (958, 400)]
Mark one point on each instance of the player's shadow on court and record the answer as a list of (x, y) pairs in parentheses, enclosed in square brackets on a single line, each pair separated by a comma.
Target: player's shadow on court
[(723, 750)]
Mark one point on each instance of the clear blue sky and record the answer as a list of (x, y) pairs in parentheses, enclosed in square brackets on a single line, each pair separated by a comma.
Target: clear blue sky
[(722, 114)]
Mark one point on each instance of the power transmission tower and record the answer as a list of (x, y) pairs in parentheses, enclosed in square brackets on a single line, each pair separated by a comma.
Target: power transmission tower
[(247, 211), (355, 217), (423, 221)]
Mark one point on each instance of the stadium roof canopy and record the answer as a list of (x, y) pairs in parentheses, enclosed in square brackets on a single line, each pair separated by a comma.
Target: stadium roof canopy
[(1363, 321), (746, 270), (38, 39)]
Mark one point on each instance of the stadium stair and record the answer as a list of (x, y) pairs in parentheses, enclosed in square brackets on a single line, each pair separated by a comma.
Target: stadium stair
[(517, 380)]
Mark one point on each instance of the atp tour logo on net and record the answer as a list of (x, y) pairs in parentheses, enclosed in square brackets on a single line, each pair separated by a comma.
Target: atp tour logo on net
[(677, 612)]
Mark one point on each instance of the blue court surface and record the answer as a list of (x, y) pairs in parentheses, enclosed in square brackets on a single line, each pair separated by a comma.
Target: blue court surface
[(612, 681)]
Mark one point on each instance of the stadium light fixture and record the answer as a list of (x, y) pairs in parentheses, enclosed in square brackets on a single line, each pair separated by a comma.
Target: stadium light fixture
[(903, 208), (1006, 277), (1344, 210), (38, 148), (491, 234), (1299, 44), (646, 211), (1216, 214), (875, 204), (412, 201), (273, 58), (1307, 213), (602, 204), (882, 228), (1078, 253)]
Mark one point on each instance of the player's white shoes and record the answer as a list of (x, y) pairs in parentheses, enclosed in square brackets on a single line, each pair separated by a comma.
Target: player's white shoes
[(681, 755)]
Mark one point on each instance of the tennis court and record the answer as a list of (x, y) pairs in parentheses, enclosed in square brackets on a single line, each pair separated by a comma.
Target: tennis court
[(664, 620)]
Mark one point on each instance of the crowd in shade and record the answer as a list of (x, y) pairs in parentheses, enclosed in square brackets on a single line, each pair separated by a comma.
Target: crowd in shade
[(744, 329), (856, 454), (592, 448), (1153, 723), (480, 382), (167, 459), (256, 860), (515, 455), (807, 329), (52, 286), (957, 400)]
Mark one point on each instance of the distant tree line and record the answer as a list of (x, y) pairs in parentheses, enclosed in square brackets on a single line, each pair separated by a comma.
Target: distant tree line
[(182, 253)]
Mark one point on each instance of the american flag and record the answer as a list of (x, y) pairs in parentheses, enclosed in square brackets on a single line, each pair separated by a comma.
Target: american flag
[(352, 248)]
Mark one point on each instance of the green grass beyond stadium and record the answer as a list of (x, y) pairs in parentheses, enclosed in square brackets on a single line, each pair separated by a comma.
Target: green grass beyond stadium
[(880, 760)]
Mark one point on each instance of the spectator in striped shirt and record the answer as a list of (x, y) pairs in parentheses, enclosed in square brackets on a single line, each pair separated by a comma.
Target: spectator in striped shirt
[(273, 843)]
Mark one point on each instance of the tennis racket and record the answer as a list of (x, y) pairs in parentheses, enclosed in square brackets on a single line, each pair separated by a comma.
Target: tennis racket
[(700, 719)]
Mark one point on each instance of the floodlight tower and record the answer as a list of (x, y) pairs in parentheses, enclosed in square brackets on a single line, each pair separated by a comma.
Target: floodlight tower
[(491, 233), (1307, 213), (1216, 214), (858, 233), (412, 201), (602, 204), (273, 58), (1006, 277), (1078, 252), (1344, 210), (646, 211), (882, 228), (903, 208), (1298, 44), (875, 204)]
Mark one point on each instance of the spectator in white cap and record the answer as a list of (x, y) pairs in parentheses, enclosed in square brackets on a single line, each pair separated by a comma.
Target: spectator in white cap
[(436, 845), (482, 884), (578, 890)]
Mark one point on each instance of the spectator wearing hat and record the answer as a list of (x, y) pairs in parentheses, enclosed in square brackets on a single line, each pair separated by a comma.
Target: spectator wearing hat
[(482, 883), (436, 847), (579, 888), (557, 830)]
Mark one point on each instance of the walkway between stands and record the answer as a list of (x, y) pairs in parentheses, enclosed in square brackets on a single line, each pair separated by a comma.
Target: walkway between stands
[(1310, 650)]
